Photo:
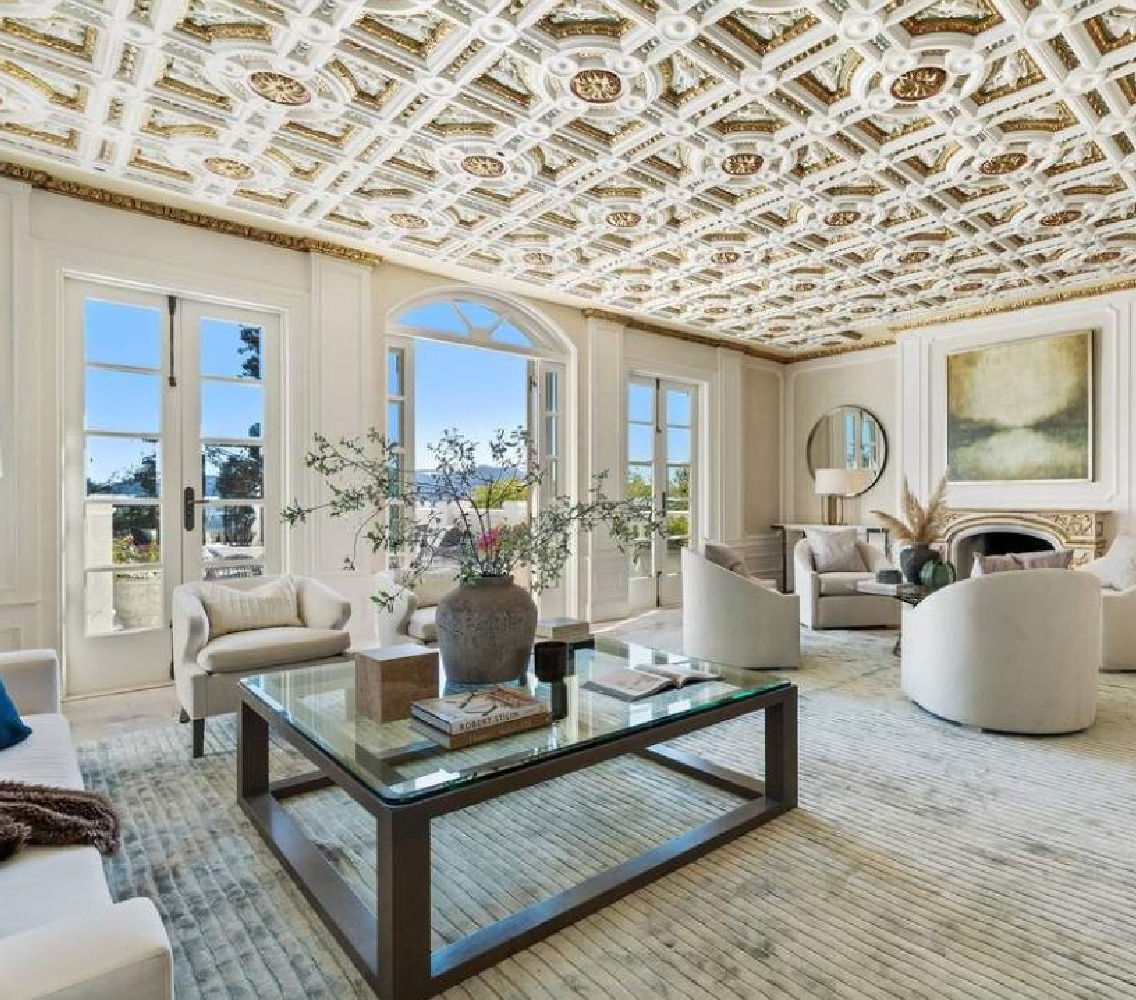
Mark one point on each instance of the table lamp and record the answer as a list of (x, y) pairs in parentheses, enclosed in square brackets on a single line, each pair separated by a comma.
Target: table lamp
[(833, 485)]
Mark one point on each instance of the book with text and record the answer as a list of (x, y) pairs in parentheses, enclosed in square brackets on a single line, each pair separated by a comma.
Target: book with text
[(464, 713)]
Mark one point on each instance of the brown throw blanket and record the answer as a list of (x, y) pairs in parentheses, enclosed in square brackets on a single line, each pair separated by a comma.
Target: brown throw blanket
[(36, 814)]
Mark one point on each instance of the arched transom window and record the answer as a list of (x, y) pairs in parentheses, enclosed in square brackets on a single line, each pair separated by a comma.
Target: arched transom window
[(478, 323)]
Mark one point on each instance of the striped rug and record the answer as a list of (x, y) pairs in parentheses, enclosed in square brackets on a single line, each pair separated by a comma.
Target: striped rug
[(926, 860)]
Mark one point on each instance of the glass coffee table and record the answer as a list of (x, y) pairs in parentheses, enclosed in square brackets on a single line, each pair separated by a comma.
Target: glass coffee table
[(405, 781)]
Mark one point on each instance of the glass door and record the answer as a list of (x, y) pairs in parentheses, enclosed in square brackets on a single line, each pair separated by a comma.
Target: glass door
[(661, 432), (168, 475)]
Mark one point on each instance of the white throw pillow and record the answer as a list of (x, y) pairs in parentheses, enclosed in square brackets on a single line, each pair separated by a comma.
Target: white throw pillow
[(272, 605), (835, 551)]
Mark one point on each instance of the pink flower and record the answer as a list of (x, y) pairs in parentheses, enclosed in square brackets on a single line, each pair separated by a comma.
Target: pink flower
[(489, 540)]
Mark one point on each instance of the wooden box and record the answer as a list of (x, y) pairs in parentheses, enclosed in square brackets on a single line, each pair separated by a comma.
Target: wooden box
[(387, 680)]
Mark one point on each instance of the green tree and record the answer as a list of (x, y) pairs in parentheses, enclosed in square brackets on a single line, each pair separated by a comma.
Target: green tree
[(490, 497), (250, 351)]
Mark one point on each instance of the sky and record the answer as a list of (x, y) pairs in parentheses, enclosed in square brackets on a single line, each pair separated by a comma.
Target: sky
[(119, 334), (472, 389)]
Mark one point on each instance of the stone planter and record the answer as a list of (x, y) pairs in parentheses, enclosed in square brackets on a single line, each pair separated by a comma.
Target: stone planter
[(486, 630), (138, 600)]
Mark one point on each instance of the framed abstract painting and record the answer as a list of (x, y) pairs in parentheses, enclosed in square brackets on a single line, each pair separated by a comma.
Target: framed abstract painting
[(1022, 411)]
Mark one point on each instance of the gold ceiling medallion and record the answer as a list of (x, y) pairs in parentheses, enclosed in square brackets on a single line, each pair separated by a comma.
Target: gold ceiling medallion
[(725, 257), (1104, 257), (405, 220), (1062, 218), (538, 258), (914, 256), (231, 170), (1003, 163), (487, 167), (742, 164), (276, 88), (624, 220), (919, 84), (845, 217), (596, 86)]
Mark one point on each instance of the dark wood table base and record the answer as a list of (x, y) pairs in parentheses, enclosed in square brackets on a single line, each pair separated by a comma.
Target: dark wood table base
[(391, 945)]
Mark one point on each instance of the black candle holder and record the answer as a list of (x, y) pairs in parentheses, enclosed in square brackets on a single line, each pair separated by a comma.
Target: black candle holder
[(550, 661)]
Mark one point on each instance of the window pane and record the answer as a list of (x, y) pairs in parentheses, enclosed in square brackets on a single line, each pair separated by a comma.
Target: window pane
[(122, 466), (678, 483), (232, 473), (507, 333), (119, 534), (234, 350), (118, 334), (117, 600), (478, 315), (551, 435), (396, 374), (394, 423), (678, 445), (123, 401), (552, 391), (231, 410), (438, 316), (678, 408), (640, 482), (232, 533), (640, 403), (640, 442)]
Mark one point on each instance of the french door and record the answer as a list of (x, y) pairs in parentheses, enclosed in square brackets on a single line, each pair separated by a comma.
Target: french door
[(661, 437), (172, 469)]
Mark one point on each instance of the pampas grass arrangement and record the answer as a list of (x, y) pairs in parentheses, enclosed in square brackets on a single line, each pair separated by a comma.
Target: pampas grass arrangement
[(921, 523)]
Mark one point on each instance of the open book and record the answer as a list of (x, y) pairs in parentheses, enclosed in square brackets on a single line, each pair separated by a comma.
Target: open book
[(642, 682)]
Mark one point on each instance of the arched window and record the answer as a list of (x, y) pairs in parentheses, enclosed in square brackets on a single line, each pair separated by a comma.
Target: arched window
[(478, 321)]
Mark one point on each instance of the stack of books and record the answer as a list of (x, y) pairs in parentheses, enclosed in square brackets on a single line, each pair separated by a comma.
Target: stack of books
[(563, 630), (461, 720)]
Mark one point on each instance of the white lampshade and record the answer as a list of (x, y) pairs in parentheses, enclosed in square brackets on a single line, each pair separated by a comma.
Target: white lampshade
[(843, 482)]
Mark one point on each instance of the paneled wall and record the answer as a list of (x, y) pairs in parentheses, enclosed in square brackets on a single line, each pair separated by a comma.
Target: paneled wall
[(333, 314), (906, 386)]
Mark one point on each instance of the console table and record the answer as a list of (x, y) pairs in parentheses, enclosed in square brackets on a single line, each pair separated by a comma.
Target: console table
[(792, 528)]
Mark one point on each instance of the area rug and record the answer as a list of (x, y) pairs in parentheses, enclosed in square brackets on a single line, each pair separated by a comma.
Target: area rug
[(925, 860)]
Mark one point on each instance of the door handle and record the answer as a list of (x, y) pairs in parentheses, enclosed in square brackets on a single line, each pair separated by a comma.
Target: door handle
[(188, 512)]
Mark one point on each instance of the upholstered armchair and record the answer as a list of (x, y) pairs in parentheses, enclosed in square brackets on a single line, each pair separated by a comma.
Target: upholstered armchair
[(1015, 652), (831, 600), (410, 618), (207, 669), (736, 620), (1115, 573)]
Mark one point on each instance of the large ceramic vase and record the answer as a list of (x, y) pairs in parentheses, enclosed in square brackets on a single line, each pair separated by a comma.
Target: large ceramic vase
[(486, 629), (913, 559)]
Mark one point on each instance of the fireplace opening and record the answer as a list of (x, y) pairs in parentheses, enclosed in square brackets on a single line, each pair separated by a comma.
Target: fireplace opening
[(996, 542)]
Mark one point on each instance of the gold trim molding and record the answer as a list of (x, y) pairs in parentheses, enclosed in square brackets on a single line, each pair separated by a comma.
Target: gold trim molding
[(44, 181)]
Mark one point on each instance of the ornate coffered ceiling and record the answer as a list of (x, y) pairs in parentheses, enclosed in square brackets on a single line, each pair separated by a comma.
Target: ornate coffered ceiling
[(783, 174)]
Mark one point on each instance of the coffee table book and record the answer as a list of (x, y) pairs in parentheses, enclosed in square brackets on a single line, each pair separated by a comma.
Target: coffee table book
[(563, 629), (460, 720), (389, 679)]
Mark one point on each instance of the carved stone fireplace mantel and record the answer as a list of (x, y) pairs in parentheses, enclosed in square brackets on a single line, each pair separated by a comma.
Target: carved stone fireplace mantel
[(1083, 531)]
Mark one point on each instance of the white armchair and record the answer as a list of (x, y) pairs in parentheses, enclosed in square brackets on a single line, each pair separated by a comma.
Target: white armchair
[(831, 600), (206, 671), (410, 619), (735, 620), (1119, 629), (1012, 652)]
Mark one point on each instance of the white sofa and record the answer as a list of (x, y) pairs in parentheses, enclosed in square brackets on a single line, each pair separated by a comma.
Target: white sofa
[(410, 618), (1015, 652), (733, 619), (206, 671), (61, 936), (831, 600)]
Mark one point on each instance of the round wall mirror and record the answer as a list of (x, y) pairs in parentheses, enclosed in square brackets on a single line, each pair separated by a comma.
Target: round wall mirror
[(849, 448)]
